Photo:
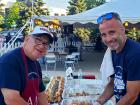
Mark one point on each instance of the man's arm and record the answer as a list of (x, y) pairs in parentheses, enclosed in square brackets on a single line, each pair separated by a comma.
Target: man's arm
[(42, 97), (12, 97), (108, 92), (133, 90)]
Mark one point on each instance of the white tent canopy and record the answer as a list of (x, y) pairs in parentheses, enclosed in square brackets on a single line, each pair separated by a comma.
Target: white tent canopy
[(128, 10)]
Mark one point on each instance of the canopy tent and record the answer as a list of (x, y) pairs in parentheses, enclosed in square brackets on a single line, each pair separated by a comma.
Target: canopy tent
[(128, 10)]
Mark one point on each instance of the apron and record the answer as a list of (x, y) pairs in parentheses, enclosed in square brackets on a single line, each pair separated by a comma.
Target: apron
[(31, 90)]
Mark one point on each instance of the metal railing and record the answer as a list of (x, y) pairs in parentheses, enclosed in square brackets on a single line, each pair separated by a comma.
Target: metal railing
[(11, 44)]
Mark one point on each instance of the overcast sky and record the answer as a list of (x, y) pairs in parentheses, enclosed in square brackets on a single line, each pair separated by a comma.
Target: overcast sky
[(57, 3), (53, 3)]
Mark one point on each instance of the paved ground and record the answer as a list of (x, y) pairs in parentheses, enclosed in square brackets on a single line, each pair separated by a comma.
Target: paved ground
[(90, 65)]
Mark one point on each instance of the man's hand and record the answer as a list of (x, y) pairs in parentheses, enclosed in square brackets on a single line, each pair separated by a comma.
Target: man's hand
[(42, 98), (12, 97), (108, 92)]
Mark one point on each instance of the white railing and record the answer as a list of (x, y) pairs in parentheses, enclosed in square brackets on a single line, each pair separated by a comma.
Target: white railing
[(60, 46), (17, 35), (56, 46), (7, 47), (11, 44)]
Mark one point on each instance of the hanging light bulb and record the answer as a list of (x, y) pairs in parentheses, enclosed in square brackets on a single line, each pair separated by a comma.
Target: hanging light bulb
[(39, 22), (126, 24), (46, 24), (55, 21), (134, 28)]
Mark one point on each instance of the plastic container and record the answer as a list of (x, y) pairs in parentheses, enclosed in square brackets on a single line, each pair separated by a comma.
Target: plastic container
[(80, 74), (78, 101), (82, 91), (69, 77)]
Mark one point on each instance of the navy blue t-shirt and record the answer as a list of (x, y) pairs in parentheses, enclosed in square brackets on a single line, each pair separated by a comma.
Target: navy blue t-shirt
[(127, 68), (12, 72)]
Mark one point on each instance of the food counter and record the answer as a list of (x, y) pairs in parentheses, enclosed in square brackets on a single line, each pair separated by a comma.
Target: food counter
[(74, 92)]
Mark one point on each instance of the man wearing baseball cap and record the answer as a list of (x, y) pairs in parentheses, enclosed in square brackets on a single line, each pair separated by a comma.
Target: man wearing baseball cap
[(20, 73)]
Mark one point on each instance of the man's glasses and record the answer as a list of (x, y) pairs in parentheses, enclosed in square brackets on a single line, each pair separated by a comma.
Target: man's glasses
[(108, 16), (39, 41)]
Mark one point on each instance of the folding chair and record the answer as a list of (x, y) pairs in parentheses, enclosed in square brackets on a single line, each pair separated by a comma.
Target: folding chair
[(50, 60), (70, 61), (77, 56)]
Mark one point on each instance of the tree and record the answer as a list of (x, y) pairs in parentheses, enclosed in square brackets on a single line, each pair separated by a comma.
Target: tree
[(13, 14), (1, 16), (83, 33), (27, 12), (134, 34), (76, 6), (94, 3), (1, 19), (1, 5), (36, 10)]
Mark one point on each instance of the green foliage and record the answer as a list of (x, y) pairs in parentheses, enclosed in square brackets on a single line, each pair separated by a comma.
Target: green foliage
[(1, 16), (134, 34), (20, 12), (83, 33), (76, 6), (27, 12), (36, 10), (94, 34), (13, 14), (1, 19), (93, 3), (1, 5)]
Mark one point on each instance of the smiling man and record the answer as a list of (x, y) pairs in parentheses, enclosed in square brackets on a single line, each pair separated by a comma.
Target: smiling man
[(20, 73), (124, 84)]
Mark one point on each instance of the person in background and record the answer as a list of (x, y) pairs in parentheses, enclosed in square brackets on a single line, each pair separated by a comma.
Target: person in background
[(98, 45), (70, 48), (124, 84), (8, 37), (20, 73), (55, 36)]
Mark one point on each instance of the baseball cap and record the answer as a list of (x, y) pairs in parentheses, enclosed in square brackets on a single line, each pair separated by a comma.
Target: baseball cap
[(40, 31)]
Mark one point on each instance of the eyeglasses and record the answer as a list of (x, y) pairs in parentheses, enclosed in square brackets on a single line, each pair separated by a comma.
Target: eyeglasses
[(108, 16), (39, 41)]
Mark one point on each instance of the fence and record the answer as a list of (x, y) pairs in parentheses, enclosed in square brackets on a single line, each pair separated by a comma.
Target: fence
[(58, 46), (7, 47)]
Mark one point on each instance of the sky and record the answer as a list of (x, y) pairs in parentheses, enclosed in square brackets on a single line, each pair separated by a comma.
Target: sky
[(53, 3), (57, 3)]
